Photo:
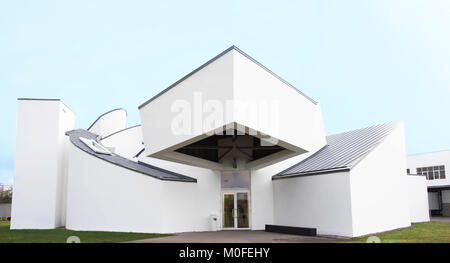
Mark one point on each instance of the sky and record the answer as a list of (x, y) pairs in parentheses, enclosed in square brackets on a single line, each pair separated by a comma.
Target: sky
[(365, 62)]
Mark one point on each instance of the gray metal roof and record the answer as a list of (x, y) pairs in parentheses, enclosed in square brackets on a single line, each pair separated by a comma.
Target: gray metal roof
[(139, 167), (342, 152)]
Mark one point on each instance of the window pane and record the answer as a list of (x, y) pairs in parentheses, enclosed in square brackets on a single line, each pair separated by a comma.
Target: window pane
[(442, 175), (441, 167), (436, 175), (232, 179), (419, 170)]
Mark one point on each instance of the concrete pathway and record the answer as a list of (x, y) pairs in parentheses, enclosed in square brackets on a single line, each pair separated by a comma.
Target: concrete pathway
[(239, 236), (440, 218)]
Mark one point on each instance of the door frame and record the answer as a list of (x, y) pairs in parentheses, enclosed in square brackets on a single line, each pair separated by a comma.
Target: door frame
[(235, 191)]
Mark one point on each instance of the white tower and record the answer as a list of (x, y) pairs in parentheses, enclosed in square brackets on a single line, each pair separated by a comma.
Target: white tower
[(40, 165)]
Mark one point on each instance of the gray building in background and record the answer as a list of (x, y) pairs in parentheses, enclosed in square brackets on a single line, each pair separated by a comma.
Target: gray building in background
[(5, 201)]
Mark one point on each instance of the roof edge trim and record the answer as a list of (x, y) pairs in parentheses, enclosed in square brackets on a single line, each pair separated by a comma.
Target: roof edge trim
[(119, 131), (106, 113), (73, 137), (43, 99), (311, 173), (214, 59)]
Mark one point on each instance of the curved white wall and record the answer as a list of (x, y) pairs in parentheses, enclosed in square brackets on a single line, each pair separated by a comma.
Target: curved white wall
[(109, 123), (126, 143), (104, 196)]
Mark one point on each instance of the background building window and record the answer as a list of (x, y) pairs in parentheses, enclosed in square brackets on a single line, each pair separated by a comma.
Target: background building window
[(432, 172)]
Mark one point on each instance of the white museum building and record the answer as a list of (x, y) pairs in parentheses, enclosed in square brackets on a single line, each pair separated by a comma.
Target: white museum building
[(229, 146), (432, 166)]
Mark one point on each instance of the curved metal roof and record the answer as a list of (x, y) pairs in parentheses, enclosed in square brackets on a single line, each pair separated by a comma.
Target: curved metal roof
[(139, 167)]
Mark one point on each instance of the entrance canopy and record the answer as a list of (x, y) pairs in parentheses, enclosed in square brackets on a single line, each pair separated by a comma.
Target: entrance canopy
[(231, 113)]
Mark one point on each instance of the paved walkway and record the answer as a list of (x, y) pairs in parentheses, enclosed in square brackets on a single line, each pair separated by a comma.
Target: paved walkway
[(239, 236), (440, 218)]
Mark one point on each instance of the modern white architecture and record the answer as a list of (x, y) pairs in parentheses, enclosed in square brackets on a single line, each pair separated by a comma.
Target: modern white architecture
[(229, 146), (432, 167)]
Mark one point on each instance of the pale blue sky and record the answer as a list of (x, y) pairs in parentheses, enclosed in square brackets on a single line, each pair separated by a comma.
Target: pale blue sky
[(366, 62)]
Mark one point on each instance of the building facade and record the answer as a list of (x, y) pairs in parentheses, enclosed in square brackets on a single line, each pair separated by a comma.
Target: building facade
[(230, 141), (432, 166)]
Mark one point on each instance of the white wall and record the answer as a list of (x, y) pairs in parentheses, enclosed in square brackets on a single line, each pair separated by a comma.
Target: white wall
[(66, 123), (105, 197), (109, 123), (319, 201), (39, 167), (126, 143), (379, 187), (213, 82), (431, 159), (262, 190), (117, 199), (252, 83), (188, 206), (418, 199)]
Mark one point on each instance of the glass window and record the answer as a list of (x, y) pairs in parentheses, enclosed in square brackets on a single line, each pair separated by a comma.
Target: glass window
[(436, 175), (432, 172), (235, 179)]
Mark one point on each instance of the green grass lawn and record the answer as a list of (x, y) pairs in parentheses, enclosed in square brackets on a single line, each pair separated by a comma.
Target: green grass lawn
[(61, 235), (428, 232)]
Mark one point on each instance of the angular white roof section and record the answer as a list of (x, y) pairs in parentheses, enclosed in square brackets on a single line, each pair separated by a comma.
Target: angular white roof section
[(215, 58), (342, 152), (226, 88)]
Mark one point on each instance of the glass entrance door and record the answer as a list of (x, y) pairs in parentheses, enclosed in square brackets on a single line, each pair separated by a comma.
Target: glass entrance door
[(235, 210), (228, 210), (242, 210)]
